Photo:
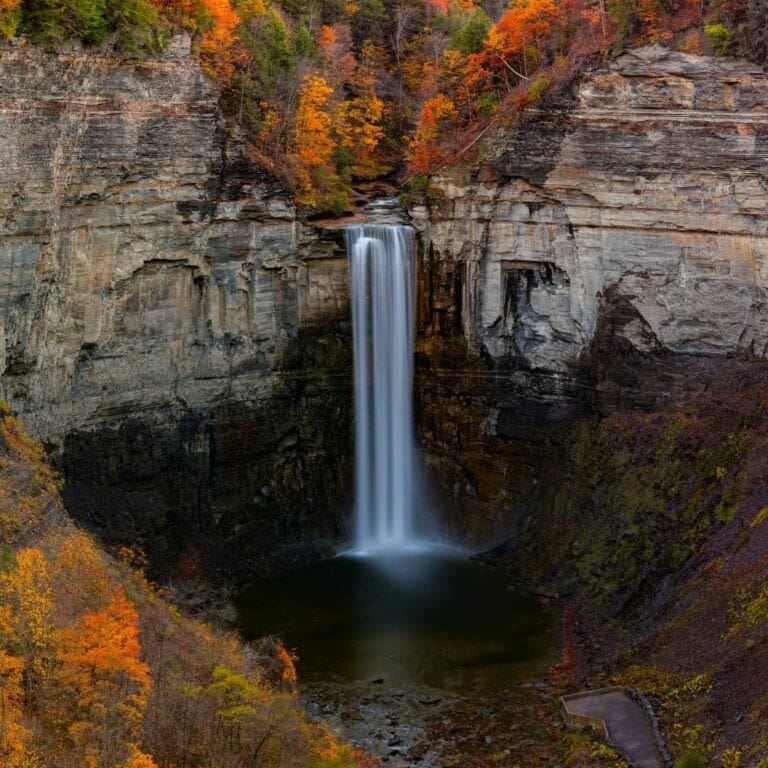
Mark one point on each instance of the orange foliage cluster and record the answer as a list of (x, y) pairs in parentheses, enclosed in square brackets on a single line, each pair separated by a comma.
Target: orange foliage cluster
[(533, 46), (425, 148), (312, 138)]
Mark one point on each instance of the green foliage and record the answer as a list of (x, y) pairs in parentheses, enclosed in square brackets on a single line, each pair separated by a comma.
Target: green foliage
[(539, 88), (369, 21), (488, 102), (7, 559), (414, 188), (692, 760), (138, 26), (719, 37), (88, 20), (271, 50), (304, 43), (10, 18), (136, 23), (624, 15), (470, 38)]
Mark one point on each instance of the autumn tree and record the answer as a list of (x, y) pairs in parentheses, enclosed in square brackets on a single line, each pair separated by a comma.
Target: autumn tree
[(83, 581), (359, 119), (28, 593), (518, 39), (103, 684), (313, 144), (13, 735), (219, 42), (425, 152)]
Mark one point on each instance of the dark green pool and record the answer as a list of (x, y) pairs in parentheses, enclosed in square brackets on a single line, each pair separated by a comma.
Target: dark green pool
[(426, 618)]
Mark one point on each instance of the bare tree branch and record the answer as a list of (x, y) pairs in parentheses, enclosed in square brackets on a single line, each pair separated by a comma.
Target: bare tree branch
[(511, 68)]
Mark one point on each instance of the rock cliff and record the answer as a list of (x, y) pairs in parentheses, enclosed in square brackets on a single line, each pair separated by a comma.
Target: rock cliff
[(166, 322), (648, 184), (604, 253), (181, 339)]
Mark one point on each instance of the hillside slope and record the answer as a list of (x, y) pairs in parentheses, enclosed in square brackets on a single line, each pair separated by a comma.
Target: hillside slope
[(98, 669)]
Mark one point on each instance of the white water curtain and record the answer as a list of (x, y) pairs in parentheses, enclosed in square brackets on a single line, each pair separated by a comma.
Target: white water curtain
[(382, 276)]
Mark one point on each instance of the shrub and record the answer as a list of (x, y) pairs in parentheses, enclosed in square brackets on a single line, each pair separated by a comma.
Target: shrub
[(471, 37), (488, 102), (719, 38), (138, 26), (53, 21), (10, 16), (538, 88), (692, 760)]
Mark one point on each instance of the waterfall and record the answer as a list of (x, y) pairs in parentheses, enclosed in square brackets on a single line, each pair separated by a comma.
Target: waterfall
[(381, 271)]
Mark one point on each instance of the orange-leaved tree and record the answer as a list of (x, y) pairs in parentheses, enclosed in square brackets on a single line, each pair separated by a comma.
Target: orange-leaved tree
[(312, 142), (518, 39), (104, 684), (13, 735), (219, 46), (425, 152)]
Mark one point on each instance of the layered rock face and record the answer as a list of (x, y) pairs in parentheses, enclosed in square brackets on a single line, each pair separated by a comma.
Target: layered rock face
[(602, 255), (166, 322)]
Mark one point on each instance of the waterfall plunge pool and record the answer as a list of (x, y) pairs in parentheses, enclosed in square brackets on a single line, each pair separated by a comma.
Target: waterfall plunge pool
[(381, 638), (430, 618)]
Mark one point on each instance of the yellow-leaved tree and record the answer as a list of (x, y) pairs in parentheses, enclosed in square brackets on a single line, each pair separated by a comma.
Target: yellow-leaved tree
[(27, 593), (10, 16), (360, 118)]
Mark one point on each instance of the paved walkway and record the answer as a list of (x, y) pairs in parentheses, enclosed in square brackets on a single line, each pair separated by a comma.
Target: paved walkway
[(628, 725)]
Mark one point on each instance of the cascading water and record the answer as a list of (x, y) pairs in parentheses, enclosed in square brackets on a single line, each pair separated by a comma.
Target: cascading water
[(381, 268)]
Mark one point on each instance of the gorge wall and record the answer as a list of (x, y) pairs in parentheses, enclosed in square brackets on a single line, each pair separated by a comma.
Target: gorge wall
[(167, 324), (608, 253), (180, 338)]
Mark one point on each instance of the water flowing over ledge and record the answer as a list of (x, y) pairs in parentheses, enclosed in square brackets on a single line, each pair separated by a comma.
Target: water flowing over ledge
[(381, 261)]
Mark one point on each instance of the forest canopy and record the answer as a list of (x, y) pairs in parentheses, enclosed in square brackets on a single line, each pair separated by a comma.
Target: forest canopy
[(330, 92)]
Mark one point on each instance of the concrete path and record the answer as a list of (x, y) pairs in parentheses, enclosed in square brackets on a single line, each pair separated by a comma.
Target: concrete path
[(628, 726)]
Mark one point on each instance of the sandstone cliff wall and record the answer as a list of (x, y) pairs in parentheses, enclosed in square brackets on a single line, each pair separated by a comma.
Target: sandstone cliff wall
[(608, 253), (648, 181), (165, 320), (182, 339)]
